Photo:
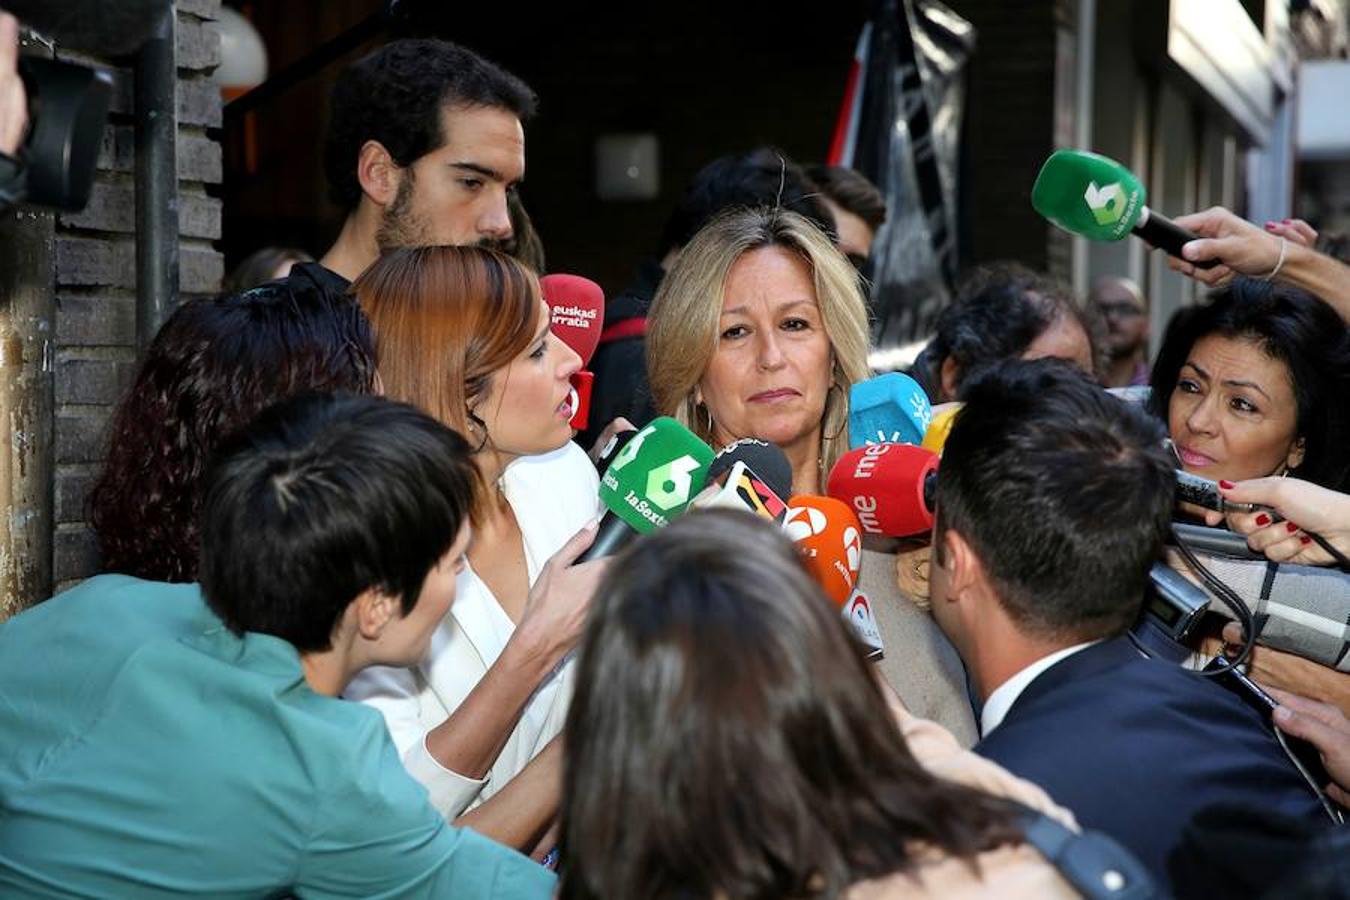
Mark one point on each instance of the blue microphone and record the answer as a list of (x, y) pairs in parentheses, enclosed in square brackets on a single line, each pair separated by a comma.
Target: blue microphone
[(887, 409)]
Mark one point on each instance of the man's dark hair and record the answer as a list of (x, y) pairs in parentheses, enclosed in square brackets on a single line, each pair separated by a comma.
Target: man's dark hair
[(1299, 330), (763, 177), (213, 366), (1063, 491), (395, 95), (999, 310), (320, 498), (852, 191)]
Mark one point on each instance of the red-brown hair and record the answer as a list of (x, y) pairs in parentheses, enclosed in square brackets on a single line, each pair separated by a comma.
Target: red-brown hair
[(445, 319)]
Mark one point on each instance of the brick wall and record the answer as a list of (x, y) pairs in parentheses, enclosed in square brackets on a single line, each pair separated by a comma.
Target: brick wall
[(96, 276)]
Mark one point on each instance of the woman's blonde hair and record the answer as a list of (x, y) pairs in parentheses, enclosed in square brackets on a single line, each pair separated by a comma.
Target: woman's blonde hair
[(445, 319), (684, 315)]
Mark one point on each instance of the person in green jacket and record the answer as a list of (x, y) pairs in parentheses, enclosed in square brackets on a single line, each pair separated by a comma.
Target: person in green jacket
[(160, 739)]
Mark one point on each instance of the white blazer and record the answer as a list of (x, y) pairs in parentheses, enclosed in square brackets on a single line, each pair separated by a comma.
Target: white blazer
[(553, 496)]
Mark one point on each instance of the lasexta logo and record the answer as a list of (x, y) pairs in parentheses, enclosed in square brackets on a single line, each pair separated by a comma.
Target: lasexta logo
[(670, 485), (1107, 203)]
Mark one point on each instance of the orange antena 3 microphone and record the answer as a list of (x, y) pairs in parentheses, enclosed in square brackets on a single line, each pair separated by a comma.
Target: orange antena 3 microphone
[(830, 538)]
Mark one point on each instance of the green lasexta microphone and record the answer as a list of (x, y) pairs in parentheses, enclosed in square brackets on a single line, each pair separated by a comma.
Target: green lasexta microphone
[(650, 482), (1096, 197)]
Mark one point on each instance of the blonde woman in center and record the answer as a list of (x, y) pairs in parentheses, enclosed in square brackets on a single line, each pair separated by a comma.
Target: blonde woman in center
[(758, 330)]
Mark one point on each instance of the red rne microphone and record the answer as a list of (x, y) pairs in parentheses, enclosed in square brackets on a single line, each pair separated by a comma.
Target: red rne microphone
[(889, 486), (577, 306), (829, 536)]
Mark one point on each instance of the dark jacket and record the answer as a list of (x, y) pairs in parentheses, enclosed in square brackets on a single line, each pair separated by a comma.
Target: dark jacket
[(619, 364), (1136, 747)]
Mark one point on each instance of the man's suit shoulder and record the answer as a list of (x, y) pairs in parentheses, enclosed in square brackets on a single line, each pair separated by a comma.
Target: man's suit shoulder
[(1084, 699)]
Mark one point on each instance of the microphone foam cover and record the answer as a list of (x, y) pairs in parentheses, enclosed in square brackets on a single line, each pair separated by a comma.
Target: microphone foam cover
[(829, 536), (941, 427), (1088, 194), (766, 460), (884, 485), (578, 308), (655, 475), (887, 409)]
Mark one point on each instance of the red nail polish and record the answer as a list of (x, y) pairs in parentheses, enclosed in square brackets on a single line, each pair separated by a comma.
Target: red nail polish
[(1226, 485), (1304, 539), (1263, 520), (1286, 221), (1291, 527)]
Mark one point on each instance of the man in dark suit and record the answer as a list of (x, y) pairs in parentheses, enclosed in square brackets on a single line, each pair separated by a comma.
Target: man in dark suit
[(1053, 500)]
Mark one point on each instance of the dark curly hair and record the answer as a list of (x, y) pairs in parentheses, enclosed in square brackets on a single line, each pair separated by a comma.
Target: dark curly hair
[(395, 95), (211, 368), (1299, 330), (1000, 309)]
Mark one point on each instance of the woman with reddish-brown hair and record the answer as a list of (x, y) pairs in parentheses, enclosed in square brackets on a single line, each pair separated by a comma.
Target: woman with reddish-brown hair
[(463, 333)]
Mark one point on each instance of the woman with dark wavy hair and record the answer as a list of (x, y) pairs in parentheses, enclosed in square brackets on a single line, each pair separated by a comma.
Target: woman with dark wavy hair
[(212, 367), (1255, 383), (1004, 311), (728, 739)]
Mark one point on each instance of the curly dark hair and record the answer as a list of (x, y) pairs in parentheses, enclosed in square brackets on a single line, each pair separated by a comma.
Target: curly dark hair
[(1000, 309), (395, 95), (211, 368)]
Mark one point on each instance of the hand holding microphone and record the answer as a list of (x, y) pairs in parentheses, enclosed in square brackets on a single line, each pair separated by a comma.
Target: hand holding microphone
[(555, 610), (1304, 507), (1095, 197), (1326, 728)]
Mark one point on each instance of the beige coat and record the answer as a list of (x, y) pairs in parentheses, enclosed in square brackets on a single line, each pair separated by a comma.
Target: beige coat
[(1007, 873), (918, 660)]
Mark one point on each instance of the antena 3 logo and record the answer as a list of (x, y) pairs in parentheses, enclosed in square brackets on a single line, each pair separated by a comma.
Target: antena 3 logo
[(1110, 205)]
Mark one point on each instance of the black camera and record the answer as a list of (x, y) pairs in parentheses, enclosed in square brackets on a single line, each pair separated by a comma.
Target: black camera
[(1173, 603), (67, 106)]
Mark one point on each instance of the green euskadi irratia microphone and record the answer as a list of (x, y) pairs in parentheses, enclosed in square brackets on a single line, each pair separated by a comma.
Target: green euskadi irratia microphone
[(1096, 197), (650, 482)]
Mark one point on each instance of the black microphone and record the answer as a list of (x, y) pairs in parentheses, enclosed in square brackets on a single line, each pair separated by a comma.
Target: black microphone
[(767, 461), (101, 27), (748, 474)]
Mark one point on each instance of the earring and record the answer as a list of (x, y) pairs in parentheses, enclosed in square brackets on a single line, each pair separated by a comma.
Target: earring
[(476, 424), (707, 412)]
